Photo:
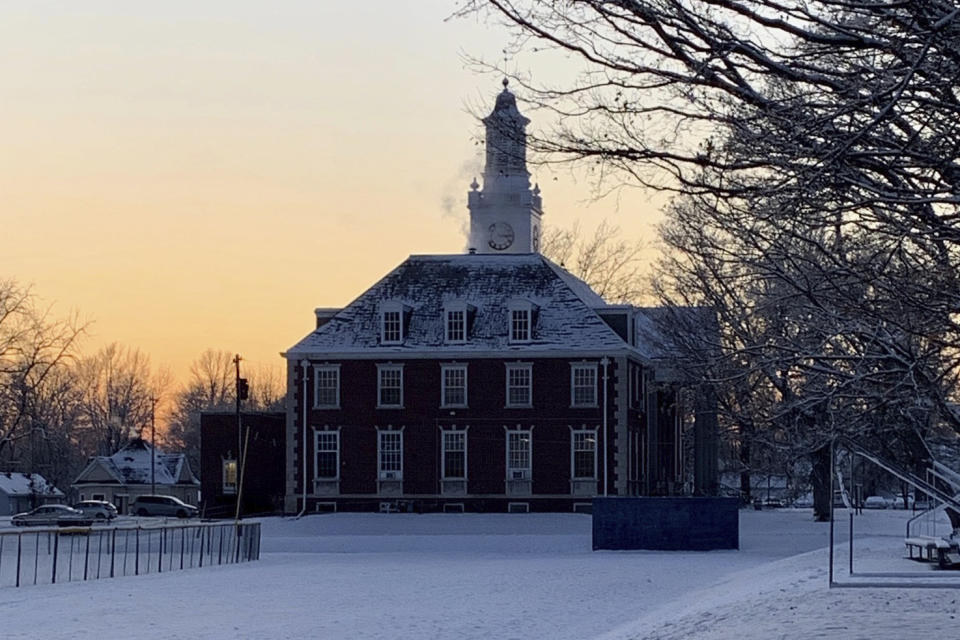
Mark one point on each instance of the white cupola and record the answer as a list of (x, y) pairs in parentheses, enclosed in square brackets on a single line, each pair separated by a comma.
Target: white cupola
[(505, 213)]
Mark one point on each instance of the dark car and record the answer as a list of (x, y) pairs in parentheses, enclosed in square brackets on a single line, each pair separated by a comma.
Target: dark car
[(162, 506), (52, 515)]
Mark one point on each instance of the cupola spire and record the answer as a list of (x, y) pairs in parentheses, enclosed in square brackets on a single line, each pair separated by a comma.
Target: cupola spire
[(505, 214)]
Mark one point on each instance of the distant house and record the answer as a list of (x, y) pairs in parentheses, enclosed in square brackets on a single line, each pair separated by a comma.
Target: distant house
[(24, 491), (126, 474)]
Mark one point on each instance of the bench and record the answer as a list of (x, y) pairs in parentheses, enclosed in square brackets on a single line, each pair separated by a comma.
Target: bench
[(936, 548)]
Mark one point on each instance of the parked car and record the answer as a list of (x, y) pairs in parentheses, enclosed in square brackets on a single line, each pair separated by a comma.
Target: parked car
[(97, 509), (875, 502), (52, 515), (162, 506)]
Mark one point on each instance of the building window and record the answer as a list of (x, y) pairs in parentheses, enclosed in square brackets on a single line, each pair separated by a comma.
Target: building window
[(583, 454), (229, 476), (326, 381), (453, 385), (392, 327), (456, 322), (519, 445), (636, 387), (520, 325), (583, 385), (327, 452), (389, 385), (390, 455), (454, 455), (519, 385)]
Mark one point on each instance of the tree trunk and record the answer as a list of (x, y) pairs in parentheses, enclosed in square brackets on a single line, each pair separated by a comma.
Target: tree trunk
[(745, 435), (820, 478)]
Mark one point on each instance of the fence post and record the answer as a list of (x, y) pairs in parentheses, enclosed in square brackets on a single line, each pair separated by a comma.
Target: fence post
[(220, 546), (201, 545), (56, 547), (86, 558), (113, 550), (19, 547), (70, 561), (163, 538), (183, 542), (136, 562)]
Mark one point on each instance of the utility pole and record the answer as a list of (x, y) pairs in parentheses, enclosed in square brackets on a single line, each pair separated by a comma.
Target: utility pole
[(242, 391), (153, 445)]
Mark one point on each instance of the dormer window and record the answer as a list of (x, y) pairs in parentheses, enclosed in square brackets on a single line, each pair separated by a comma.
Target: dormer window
[(520, 320), (456, 325), (391, 323), (456, 321), (520, 325)]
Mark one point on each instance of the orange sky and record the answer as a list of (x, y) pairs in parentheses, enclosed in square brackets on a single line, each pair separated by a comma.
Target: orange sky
[(202, 175)]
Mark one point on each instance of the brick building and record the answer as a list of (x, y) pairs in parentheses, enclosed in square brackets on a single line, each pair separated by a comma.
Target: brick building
[(492, 380)]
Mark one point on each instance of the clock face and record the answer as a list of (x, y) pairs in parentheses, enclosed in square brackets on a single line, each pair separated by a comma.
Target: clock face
[(501, 236)]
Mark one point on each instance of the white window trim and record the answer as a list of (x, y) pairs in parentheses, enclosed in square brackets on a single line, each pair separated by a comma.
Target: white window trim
[(528, 311), (596, 448), (460, 307), (380, 471), (391, 307), (316, 454), (528, 366), (316, 385), (388, 367), (509, 470), (443, 385), (574, 367), (223, 476), (443, 453)]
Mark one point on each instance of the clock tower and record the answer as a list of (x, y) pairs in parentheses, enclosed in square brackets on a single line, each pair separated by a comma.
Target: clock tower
[(505, 213)]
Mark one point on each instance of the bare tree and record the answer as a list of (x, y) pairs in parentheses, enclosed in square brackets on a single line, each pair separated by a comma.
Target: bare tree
[(611, 265), (815, 145), (34, 349), (212, 387), (117, 402)]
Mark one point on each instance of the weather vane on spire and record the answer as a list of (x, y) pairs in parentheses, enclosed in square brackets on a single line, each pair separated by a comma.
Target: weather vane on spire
[(506, 60)]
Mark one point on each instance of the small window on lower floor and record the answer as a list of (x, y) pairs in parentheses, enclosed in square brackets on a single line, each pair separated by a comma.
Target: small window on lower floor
[(229, 476)]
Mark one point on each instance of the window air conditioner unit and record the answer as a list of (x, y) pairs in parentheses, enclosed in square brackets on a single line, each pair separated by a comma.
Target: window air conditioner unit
[(389, 475), (518, 474)]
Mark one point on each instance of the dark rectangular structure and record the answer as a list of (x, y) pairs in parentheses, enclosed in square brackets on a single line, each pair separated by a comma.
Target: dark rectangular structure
[(666, 524), (263, 478)]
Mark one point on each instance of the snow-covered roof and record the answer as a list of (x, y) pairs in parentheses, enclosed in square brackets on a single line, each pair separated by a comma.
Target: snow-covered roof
[(131, 465), (25, 484), (564, 310)]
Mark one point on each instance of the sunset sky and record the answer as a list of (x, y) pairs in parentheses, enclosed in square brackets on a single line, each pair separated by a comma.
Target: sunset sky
[(203, 175)]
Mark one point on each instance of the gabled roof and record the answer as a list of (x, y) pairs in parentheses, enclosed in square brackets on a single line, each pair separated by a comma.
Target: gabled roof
[(564, 317), (131, 465), (25, 484)]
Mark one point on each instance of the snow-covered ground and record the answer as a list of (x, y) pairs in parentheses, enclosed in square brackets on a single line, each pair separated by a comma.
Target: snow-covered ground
[(506, 576)]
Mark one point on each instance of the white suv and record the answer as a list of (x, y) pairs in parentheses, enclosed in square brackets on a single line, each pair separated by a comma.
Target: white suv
[(99, 509)]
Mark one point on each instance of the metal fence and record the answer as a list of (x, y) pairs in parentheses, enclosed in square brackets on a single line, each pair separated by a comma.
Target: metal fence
[(73, 554)]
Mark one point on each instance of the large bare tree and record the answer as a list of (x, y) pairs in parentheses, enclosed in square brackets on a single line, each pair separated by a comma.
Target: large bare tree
[(815, 148), (612, 265), (119, 394), (35, 349)]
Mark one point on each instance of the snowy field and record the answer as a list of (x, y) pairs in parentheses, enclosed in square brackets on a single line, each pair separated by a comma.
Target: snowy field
[(468, 576)]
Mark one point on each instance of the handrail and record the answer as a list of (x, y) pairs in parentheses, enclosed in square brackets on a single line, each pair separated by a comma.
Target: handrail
[(916, 482)]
